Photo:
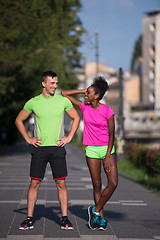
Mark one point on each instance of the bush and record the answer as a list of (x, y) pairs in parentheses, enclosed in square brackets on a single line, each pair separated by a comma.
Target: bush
[(143, 157), (153, 161)]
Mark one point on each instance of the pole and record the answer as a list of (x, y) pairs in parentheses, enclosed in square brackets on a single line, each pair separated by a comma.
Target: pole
[(97, 51), (120, 132), (121, 123)]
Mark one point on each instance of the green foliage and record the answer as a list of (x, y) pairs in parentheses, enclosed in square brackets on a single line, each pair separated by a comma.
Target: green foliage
[(137, 52), (140, 175), (35, 37), (135, 153), (143, 157)]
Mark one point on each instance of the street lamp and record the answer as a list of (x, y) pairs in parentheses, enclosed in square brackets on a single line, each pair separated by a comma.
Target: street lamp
[(97, 51), (78, 24), (78, 27), (95, 46), (120, 133)]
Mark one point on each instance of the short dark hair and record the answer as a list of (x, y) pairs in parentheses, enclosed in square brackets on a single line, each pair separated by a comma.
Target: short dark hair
[(100, 86), (48, 74)]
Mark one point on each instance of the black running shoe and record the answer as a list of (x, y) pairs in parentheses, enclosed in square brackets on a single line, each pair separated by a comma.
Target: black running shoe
[(66, 224), (26, 224), (94, 219)]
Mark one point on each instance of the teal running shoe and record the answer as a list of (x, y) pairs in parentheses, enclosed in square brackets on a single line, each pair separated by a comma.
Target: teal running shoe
[(94, 219), (102, 224)]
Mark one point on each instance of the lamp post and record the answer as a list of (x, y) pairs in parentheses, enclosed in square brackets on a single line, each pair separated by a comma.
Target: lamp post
[(120, 132), (78, 27), (97, 51), (78, 24), (94, 45)]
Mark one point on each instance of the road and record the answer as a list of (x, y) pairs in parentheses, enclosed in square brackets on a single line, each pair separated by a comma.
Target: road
[(133, 211)]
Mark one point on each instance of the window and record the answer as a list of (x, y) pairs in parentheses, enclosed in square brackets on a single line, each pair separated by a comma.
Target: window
[(152, 63), (152, 51), (152, 27), (151, 74), (151, 98)]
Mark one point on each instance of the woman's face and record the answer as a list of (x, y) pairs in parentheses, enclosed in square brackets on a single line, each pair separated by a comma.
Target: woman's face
[(90, 94)]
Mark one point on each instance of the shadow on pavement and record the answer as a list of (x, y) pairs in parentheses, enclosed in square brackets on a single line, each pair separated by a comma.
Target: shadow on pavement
[(81, 212), (18, 148), (40, 211)]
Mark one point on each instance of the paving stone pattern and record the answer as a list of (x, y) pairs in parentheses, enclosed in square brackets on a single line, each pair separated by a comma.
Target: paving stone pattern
[(132, 211)]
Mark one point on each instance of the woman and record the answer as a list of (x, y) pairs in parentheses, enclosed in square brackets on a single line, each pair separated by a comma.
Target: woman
[(99, 131)]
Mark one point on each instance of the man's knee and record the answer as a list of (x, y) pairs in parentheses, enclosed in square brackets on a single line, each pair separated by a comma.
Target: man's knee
[(61, 185), (34, 184)]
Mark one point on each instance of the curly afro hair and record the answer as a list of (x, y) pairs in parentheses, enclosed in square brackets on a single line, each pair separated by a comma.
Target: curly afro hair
[(100, 86)]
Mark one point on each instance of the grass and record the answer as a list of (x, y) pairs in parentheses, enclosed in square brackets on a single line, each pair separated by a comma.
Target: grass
[(140, 175)]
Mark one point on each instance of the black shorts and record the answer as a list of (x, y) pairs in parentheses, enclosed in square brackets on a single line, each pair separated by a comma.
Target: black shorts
[(52, 154)]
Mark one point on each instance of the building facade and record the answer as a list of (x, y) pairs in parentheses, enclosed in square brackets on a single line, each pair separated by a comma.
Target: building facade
[(151, 60)]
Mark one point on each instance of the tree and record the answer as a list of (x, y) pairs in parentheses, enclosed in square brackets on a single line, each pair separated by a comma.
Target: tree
[(137, 52), (35, 36)]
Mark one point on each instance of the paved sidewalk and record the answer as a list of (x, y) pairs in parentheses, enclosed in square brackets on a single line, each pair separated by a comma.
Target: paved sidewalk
[(133, 212)]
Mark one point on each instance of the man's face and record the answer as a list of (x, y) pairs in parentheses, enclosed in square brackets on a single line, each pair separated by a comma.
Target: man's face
[(50, 85)]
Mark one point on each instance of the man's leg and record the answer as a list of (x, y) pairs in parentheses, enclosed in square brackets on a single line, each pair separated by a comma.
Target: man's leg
[(32, 195), (59, 169), (63, 200), (62, 196), (32, 198)]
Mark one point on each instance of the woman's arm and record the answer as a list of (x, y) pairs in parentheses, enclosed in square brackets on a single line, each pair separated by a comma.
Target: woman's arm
[(68, 93), (107, 162), (111, 130)]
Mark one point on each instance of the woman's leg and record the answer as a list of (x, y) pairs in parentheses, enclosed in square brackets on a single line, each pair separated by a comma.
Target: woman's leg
[(94, 166), (112, 176)]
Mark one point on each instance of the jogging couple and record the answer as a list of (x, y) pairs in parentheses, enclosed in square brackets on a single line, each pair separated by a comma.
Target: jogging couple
[(49, 141)]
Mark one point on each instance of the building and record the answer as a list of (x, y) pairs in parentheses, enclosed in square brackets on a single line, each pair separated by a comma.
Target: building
[(151, 60), (140, 123), (88, 73), (131, 92)]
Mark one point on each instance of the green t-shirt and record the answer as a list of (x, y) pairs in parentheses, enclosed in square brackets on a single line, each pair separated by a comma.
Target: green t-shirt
[(49, 114)]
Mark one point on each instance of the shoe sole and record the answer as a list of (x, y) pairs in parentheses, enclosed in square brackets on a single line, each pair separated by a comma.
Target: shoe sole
[(27, 228), (89, 213), (67, 228), (101, 228)]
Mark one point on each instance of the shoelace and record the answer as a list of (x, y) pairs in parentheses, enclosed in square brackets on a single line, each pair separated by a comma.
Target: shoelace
[(102, 222), (96, 219)]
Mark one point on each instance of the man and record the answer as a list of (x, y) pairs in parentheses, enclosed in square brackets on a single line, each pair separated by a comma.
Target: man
[(48, 143)]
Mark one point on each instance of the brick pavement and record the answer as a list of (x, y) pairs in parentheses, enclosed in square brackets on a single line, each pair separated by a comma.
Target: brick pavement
[(14, 181)]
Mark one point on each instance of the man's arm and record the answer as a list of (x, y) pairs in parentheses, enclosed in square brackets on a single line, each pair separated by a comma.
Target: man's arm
[(22, 116), (72, 113)]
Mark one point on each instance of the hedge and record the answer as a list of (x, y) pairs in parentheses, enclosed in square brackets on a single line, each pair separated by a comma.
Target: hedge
[(144, 157)]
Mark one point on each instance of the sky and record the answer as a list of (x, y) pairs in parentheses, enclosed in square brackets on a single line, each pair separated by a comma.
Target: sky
[(119, 23)]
